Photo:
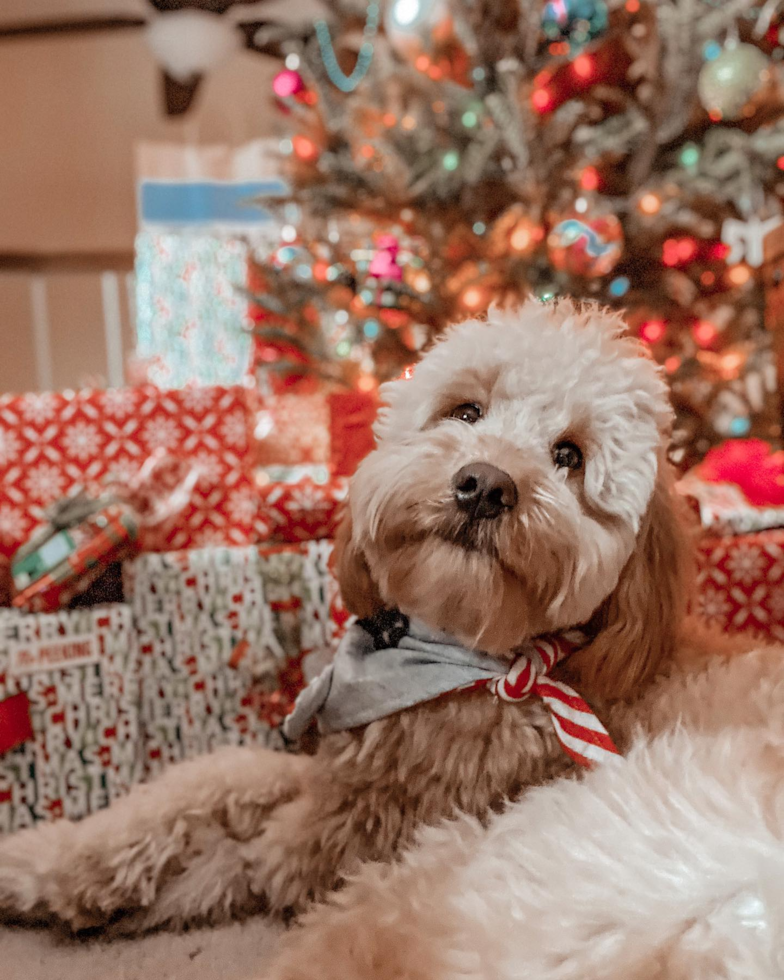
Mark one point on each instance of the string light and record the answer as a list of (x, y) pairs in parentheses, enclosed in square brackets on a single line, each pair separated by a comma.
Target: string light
[(739, 275), (650, 204), (619, 286), (371, 329), (347, 83), (678, 251), (389, 119), (542, 100), (589, 179), (305, 148), (479, 228), (473, 298), (469, 119), (450, 160), (690, 155), (652, 331), (408, 122), (584, 66), (422, 62), (672, 364), (704, 332)]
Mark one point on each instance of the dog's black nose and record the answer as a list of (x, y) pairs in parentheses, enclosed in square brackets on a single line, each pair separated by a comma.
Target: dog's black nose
[(483, 491)]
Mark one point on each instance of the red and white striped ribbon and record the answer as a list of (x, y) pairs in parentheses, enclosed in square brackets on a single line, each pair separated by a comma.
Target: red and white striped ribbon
[(579, 731)]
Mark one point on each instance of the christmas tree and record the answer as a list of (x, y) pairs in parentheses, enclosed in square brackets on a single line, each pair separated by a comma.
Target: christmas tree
[(447, 154)]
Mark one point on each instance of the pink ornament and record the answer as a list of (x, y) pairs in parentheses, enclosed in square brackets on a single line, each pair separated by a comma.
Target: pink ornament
[(384, 265), (287, 83)]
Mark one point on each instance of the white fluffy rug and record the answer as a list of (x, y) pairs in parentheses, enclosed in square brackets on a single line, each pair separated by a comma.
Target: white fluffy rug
[(236, 952)]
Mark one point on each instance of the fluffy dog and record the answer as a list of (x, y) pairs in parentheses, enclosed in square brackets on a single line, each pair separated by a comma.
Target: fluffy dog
[(518, 488), (666, 868)]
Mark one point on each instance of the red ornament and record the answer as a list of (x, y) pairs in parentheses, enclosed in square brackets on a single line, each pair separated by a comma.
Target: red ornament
[(586, 244)]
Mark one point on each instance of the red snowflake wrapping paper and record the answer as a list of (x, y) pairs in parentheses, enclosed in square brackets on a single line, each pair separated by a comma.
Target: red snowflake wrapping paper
[(78, 671), (740, 584), (301, 511), (52, 442)]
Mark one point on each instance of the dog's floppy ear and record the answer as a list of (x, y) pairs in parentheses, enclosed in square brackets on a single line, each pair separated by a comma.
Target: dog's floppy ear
[(357, 586), (639, 624)]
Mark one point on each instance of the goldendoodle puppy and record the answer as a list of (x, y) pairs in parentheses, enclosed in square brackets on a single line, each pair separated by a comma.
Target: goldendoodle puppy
[(518, 490)]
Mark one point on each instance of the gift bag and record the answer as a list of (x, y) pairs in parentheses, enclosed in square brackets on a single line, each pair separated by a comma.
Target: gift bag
[(70, 740)]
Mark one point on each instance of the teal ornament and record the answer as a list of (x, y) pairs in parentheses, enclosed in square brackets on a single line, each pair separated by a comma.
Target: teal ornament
[(576, 21)]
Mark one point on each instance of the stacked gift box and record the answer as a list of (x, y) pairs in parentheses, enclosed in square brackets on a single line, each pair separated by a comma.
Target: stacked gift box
[(230, 607)]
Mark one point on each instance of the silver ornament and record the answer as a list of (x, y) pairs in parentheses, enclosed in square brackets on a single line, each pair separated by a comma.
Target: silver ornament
[(728, 82)]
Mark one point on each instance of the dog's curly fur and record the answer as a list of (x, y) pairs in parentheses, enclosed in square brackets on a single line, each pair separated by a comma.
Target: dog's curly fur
[(600, 546)]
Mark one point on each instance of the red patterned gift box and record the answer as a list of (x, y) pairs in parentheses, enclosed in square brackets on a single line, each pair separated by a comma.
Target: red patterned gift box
[(224, 636), (300, 511), (741, 583), (51, 443), (69, 698)]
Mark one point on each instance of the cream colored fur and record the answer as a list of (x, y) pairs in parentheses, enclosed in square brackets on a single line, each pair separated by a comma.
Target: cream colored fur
[(245, 830), (666, 867)]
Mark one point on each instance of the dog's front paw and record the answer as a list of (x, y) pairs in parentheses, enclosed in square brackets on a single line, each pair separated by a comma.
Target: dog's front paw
[(28, 873)]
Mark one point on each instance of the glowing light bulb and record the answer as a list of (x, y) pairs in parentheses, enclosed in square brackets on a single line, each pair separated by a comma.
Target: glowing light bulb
[(405, 12), (584, 66), (739, 275), (652, 331), (473, 298), (305, 148), (589, 179), (650, 204), (542, 99), (704, 332)]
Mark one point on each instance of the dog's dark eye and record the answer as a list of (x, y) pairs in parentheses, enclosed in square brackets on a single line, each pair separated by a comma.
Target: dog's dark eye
[(466, 413), (566, 454)]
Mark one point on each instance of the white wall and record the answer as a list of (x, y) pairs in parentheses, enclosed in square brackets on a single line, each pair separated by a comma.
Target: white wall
[(71, 110)]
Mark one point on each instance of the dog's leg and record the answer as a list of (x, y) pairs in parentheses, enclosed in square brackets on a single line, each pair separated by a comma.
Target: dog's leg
[(169, 852)]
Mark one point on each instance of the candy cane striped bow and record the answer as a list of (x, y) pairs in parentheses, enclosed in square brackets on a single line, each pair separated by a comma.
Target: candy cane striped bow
[(579, 731)]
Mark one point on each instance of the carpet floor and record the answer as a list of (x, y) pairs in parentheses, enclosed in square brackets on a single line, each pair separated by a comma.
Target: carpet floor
[(235, 952)]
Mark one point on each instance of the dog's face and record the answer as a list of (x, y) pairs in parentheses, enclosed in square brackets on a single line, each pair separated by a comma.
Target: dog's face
[(513, 474)]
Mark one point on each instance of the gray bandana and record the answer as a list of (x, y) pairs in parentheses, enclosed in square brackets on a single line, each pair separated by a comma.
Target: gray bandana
[(385, 665)]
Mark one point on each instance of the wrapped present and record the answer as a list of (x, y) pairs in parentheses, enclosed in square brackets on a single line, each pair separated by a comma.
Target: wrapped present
[(351, 415), (740, 585), (52, 443), (84, 536), (738, 487), (192, 312), (64, 559), (301, 511), (331, 429), (224, 635), (69, 720), (292, 429)]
